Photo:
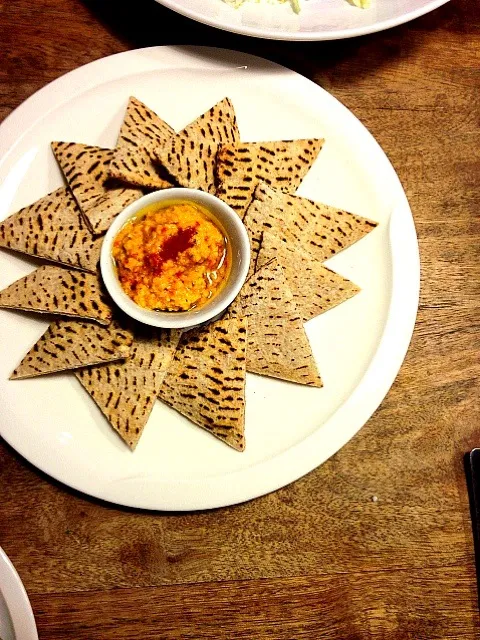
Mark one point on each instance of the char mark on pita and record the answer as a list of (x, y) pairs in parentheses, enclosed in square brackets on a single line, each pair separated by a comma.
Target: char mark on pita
[(52, 228), (321, 230), (315, 288), (126, 392), (206, 380), (281, 164), (124, 395), (100, 197), (142, 135), (190, 156), (59, 291), (69, 344), (277, 343)]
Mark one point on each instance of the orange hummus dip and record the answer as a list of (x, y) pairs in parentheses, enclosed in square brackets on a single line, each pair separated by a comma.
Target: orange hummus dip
[(171, 257)]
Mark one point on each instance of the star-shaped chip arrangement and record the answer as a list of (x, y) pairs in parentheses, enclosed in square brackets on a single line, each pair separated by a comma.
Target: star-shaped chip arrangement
[(125, 366)]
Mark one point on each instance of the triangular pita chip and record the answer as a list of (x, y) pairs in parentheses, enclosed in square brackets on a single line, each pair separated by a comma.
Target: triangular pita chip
[(206, 380), (124, 395), (52, 228), (142, 133), (282, 164), (277, 344), (315, 288), (317, 228), (189, 156), (86, 170), (126, 392), (60, 291), (68, 344)]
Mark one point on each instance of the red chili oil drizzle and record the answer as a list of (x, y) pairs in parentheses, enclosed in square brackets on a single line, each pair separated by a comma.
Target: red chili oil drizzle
[(172, 247)]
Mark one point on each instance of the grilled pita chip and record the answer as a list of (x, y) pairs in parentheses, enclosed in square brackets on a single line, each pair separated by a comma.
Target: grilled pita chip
[(319, 229), (315, 288), (86, 170), (52, 228), (277, 343), (189, 156), (126, 392), (206, 380), (60, 291), (282, 164), (141, 134), (124, 395), (68, 344)]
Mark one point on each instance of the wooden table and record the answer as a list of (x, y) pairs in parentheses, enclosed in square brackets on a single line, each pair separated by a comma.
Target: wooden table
[(320, 558)]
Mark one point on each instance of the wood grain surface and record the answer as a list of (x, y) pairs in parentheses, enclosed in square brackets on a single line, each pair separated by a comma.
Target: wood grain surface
[(376, 543)]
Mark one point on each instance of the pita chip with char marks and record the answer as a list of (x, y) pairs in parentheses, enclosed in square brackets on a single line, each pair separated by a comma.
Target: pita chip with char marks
[(206, 380), (315, 288), (281, 163), (69, 344), (321, 230), (142, 133), (100, 197), (277, 344), (126, 392), (190, 156), (55, 290), (52, 228), (152, 348)]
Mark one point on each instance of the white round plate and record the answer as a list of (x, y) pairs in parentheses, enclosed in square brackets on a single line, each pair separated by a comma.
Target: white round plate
[(16, 615), (359, 346), (318, 19)]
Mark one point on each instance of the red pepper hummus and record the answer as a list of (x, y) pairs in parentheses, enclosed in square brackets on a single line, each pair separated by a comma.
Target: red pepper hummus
[(171, 257)]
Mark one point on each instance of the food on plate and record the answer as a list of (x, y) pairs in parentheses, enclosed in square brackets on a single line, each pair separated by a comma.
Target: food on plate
[(277, 345), (70, 344), (126, 392), (52, 228), (86, 169), (51, 289), (295, 4), (190, 156), (281, 163), (206, 380), (315, 288), (172, 257), (141, 135)]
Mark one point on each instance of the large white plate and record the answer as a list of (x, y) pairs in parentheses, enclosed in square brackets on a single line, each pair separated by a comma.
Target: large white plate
[(16, 615), (318, 20), (359, 346)]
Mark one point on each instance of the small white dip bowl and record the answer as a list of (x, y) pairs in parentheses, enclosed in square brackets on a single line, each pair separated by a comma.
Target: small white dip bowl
[(237, 238)]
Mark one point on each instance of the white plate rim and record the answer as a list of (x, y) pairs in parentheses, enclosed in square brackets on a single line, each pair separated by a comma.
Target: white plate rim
[(336, 34), (17, 601), (262, 478)]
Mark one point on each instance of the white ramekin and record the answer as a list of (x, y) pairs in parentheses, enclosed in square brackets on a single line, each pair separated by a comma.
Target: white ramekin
[(239, 251)]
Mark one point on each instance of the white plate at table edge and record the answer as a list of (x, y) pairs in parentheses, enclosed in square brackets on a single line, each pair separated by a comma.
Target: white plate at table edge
[(16, 600), (282, 469), (296, 36)]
